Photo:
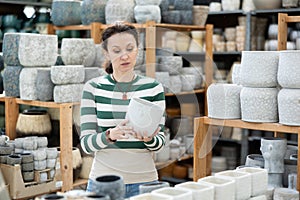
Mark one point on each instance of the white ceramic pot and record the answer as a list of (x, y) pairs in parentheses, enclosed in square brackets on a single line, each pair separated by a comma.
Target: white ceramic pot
[(288, 69), (150, 196), (259, 68), (224, 188), (143, 115), (236, 74), (242, 182), (285, 193), (259, 180), (200, 191), (174, 193), (289, 106), (224, 101), (267, 4), (259, 104)]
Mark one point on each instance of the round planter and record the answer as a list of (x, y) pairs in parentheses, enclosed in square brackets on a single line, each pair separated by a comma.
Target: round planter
[(267, 4), (259, 68), (183, 5), (224, 101), (26, 157), (39, 155), (52, 153), (186, 17), (66, 12), (288, 69), (93, 11), (273, 151), (259, 104), (111, 185), (40, 164), (116, 10), (52, 196), (289, 106), (188, 82), (142, 14), (27, 167), (77, 51), (149, 187), (175, 84), (13, 160), (28, 176)]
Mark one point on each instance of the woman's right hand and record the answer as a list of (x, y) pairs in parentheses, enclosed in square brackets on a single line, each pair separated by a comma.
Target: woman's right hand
[(121, 131)]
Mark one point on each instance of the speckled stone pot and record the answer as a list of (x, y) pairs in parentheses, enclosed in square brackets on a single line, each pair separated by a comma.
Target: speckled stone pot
[(142, 14), (13, 160), (147, 2), (67, 93), (75, 51), (28, 86), (285, 193), (175, 84), (188, 82), (68, 74), (288, 69), (10, 48), (28, 176), (111, 185), (90, 73), (149, 187), (259, 104), (100, 57), (6, 150), (1, 63), (117, 10), (171, 64), (37, 50), (186, 17), (172, 16), (44, 85), (289, 106), (27, 167), (11, 80), (183, 5), (236, 74), (164, 5), (224, 101), (163, 78), (40, 164), (259, 68), (66, 12), (93, 11)]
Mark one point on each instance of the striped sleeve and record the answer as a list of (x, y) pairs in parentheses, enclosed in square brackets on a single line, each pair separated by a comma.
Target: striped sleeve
[(158, 98), (90, 139)]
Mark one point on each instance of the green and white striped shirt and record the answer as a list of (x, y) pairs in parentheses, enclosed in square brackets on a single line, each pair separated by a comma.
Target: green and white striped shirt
[(102, 107)]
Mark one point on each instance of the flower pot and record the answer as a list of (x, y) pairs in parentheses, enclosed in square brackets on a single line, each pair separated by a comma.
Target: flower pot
[(174, 193), (199, 190), (267, 4), (142, 14), (111, 185), (116, 10), (93, 11), (149, 187), (66, 12)]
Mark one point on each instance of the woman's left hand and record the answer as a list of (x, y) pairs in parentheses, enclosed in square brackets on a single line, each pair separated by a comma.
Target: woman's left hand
[(143, 135)]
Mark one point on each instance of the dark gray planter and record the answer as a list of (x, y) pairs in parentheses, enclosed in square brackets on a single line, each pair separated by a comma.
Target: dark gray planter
[(142, 14), (93, 11), (10, 49), (117, 10), (111, 185), (66, 13), (28, 176), (44, 85), (186, 17), (11, 80), (13, 159), (183, 5), (26, 157), (164, 5), (27, 167)]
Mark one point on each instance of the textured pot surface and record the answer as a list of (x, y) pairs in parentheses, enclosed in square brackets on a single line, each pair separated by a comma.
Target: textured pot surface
[(93, 11), (66, 12)]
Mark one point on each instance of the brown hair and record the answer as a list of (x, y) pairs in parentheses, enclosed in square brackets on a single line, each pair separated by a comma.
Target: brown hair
[(118, 27)]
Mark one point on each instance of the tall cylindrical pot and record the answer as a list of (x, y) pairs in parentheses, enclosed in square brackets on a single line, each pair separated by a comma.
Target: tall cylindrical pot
[(111, 185)]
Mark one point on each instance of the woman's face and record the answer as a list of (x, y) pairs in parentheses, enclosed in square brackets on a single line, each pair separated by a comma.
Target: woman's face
[(122, 52)]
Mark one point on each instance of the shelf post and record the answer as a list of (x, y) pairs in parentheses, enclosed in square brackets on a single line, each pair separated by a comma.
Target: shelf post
[(96, 32), (282, 31), (298, 162), (150, 51), (11, 117), (208, 61), (66, 144), (50, 29)]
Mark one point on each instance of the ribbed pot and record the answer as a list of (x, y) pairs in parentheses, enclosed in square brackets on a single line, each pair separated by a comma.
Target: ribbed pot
[(33, 122), (142, 14), (93, 11), (288, 69), (289, 106), (117, 10), (111, 185), (66, 12), (259, 104), (224, 101), (259, 68)]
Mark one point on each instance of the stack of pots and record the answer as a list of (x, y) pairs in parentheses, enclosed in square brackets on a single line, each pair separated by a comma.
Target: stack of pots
[(178, 12), (27, 56), (258, 76), (289, 95), (147, 10)]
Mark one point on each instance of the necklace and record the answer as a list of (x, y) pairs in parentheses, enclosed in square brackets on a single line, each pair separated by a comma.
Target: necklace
[(124, 96)]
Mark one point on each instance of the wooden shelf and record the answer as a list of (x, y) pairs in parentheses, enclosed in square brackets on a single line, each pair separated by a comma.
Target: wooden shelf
[(160, 165), (228, 12), (199, 91), (48, 104), (79, 182), (180, 27), (26, 3), (203, 140)]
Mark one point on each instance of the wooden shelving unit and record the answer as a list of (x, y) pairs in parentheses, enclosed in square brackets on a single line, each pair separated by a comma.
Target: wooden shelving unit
[(203, 140)]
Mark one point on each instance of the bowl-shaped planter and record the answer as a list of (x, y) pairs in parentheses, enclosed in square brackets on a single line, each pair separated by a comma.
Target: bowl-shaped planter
[(259, 180), (200, 191), (117, 10), (66, 12), (289, 106), (259, 68), (224, 188), (259, 104), (224, 101), (93, 11), (68, 74), (111, 185), (267, 4), (242, 182), (288, 69), (143, 115), (75, 51), (142, 14)]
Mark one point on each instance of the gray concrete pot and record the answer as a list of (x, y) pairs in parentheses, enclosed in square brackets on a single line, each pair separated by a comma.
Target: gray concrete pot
[(255, 160), (67, 93), (68, 74), (11, 81), (116, 10), (259, 104), (44, 85), (111, 185), (149, 187), (13, 159), (147, 2), (145, 13), (66, 12), (28, 86), (289, 106), (93, 11), (259, 68)]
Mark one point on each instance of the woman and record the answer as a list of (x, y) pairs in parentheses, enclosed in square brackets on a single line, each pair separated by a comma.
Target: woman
[(105, 100)]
